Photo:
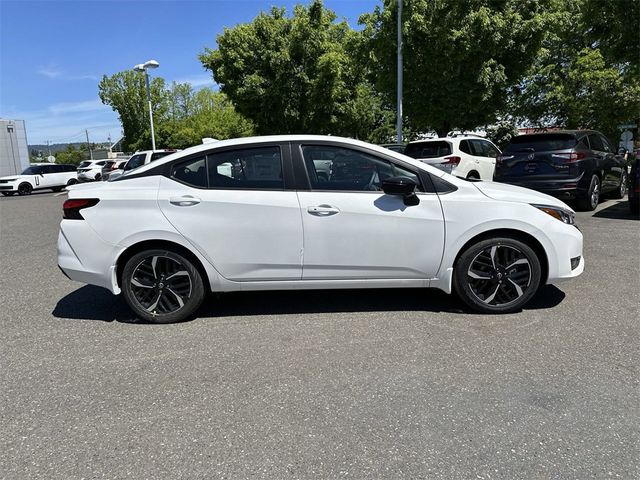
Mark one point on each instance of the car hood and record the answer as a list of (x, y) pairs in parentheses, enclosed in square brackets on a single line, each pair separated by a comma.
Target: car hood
[(511, 193)]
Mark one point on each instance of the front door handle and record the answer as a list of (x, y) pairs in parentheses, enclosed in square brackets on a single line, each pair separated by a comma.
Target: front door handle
[(322, 210), (184, 200)]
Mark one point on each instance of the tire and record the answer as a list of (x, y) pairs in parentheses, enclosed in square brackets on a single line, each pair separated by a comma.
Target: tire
[(162, 286), (72, 181), (25, 189), (621, 191), (8, 194), (590, 199), (503, 289), (473, 176)]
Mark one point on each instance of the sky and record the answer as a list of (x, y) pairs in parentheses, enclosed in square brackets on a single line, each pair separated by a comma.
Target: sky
[(54, 53)]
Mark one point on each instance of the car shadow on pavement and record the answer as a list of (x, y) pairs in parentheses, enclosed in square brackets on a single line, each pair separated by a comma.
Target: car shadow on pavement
[(94, 303), (617, 211)]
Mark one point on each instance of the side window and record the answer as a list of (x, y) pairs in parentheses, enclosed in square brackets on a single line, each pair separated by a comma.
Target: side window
[(252, 168), (192, 172), (101, 164), (157, 155), (596, 143), (584, 143), (489, 150), (135, 161), (47, 169), (605, 144), (465, 147), (336, 168), (59, 168)]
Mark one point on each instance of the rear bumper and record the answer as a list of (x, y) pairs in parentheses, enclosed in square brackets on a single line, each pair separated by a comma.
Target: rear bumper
[(87, 265), (562, 188)]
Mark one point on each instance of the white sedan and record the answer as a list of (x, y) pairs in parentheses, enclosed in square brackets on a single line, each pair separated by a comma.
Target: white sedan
[(255, 214)]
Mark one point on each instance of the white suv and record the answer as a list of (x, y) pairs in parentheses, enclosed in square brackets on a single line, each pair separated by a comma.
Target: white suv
[(139, 159), (39, 176), (90, 170), (464, 156)]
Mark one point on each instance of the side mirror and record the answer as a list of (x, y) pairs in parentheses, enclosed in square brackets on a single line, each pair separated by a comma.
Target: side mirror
[(402, 186)]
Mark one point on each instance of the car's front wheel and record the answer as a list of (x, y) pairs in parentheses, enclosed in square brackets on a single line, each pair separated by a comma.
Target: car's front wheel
[(497, 275), (162, 286), (25, 189), (589, 200)]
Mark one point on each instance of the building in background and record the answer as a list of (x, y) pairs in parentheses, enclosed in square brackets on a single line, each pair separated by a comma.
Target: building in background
[(14, 153)]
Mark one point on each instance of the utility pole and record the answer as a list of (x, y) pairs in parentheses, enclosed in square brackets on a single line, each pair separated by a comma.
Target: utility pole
[(49, 147), (399, 80), (88, 144)]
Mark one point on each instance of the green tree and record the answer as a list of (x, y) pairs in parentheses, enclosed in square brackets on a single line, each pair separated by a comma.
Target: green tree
[(125, 93), (460, 58), (71, 155), (501, 132), (575, 84), (297, 74)]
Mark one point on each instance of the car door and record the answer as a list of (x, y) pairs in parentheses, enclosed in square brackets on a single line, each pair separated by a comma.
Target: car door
[(232, 206), (352, 230), (48, 177), (604, 161), (613, 166), (484, 154)]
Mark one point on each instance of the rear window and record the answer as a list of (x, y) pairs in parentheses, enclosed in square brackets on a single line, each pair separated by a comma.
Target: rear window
[(428, 149), (542, 142), (157, 155)]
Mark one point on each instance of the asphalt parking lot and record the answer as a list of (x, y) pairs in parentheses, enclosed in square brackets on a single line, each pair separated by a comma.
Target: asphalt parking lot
[(353, 384)]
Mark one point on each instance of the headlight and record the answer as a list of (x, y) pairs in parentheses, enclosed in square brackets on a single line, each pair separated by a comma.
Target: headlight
[(559, 213)]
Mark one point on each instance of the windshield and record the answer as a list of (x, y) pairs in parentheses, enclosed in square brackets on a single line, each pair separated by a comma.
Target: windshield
[(542, 142), (33, 170)]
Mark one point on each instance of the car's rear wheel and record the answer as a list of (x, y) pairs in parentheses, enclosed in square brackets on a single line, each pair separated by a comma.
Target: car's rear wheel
[(162, 286), (589, 200), (497, 275), (72, 181), (25, 189), (621, 191), (473, 176)]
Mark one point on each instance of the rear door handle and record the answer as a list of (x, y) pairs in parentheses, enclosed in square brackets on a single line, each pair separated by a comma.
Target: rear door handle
[(184, 201), (322, 210)]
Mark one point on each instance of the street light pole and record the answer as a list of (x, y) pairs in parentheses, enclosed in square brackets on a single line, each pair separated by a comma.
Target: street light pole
[(143, 67)]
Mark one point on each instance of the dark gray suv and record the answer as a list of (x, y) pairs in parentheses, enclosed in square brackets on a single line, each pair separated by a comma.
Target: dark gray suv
[(568, 164)]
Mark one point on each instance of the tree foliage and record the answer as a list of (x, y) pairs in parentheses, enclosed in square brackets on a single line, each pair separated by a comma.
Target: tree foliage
[(298, 74), (182, 116), (71, 155), (573, 82), (125, 93), (460, 58)]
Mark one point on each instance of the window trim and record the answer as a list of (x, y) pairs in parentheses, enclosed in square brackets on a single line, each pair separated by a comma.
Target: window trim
[(168, 171)]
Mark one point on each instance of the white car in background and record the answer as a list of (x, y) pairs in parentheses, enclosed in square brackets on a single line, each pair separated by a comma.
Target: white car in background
[(90, 170), (139, 159), (39, 176), (466, 156), (253, 214)]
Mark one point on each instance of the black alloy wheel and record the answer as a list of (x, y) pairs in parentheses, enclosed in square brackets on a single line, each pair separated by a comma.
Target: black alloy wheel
[(25, 189), (590, 199), (72, 181), (497, 275), (162, 286)]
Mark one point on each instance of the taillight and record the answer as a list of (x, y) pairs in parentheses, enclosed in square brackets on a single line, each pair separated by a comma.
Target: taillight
[(73, 206), (114, 166), (570, 157), (502, 158), (453, 160)]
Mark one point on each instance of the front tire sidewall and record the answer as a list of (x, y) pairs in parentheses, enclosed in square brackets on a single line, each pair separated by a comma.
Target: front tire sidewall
[(25, 189), (190, 306), (463, 289)]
